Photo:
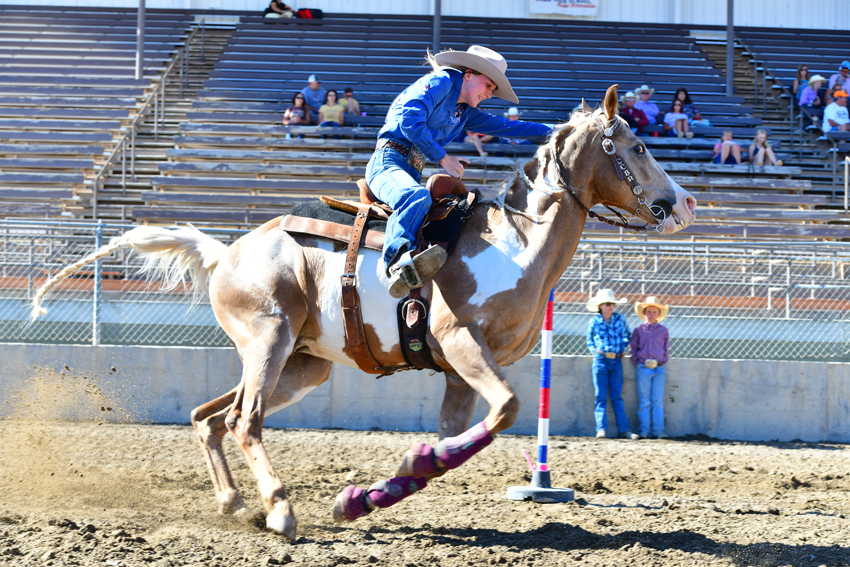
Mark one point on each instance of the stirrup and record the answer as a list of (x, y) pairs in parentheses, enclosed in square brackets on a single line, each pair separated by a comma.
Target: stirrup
[(411, 272)]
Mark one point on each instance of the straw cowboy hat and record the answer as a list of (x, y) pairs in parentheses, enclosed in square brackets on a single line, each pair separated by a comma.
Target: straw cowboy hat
[(630, 95), (512, 111), (602, 296), (644, 88), (483, 60), (651, 301), (817, 78)]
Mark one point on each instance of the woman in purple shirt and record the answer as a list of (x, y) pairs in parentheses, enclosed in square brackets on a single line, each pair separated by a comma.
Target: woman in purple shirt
[(650, 346)]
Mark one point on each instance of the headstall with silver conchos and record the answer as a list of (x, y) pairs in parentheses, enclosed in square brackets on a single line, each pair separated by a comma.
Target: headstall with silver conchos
[(624, 174)]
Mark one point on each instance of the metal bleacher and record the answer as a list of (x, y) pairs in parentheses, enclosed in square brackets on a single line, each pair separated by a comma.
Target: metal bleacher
[(67, 92)]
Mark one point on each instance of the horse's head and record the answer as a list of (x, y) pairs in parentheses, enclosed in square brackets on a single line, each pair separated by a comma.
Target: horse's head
[(608, 164)]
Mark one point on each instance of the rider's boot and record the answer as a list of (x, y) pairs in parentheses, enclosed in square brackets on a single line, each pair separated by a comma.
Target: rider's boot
[(409, 272)]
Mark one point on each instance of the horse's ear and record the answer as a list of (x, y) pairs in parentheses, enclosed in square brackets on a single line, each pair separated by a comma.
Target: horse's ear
[(585, 107), (611, 107)]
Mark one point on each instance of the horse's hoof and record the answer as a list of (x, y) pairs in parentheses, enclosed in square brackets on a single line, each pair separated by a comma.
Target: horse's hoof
[(282, 521), (351, 504), (233, 505)]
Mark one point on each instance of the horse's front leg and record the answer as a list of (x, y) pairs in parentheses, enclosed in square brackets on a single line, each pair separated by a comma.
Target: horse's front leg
[(468, 354)]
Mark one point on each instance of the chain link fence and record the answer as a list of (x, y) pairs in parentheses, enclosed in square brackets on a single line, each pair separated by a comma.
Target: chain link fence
[(770, 301), (110, 305), (776, 301)]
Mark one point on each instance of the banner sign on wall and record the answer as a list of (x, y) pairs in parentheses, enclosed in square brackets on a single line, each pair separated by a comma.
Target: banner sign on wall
[(564, 7)]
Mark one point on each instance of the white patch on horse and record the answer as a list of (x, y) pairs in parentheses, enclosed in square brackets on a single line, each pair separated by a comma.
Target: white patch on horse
[(500, 266), (296, 397), (378, 307)]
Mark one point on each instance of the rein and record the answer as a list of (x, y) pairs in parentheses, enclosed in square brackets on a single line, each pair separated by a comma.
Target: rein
[(623, 173)]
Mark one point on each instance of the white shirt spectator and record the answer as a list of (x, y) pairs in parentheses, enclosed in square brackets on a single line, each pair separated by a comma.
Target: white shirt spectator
[(671, 117), (837, 114)]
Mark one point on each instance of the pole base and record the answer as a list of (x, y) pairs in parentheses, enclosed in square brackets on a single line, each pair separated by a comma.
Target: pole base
[(540, 490)]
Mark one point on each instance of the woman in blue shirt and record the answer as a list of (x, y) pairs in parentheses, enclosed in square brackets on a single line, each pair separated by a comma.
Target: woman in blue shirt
[(607, 338), (425, 116)]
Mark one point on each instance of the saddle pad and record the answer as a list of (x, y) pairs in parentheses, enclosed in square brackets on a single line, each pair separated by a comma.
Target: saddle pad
[(331, 223)]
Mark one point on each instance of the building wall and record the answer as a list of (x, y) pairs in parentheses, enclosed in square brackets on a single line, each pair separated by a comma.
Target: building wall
[(826, 14), (728, 399)]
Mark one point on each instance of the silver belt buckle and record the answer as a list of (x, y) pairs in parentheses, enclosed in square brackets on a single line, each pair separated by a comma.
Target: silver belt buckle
[(416, 158)]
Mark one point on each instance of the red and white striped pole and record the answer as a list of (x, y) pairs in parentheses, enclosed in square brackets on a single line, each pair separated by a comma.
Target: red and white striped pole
[(541, 487)]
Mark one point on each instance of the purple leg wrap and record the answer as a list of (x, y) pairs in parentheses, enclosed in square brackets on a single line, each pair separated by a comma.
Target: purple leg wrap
[(389, 492), (455, 451), (350, 505), (422, 460)]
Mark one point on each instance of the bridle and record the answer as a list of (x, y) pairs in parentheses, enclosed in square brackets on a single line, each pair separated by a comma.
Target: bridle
[(623, 173)]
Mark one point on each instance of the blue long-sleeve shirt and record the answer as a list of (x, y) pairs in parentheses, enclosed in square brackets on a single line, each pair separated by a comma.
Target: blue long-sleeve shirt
[(612, 336), (427, 115)]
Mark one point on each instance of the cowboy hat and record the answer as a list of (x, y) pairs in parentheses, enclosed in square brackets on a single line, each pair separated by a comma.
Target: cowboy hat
[(651, 301), (630, 95), (644, 88), (512, 111), (817, 78), (483, 60), (602, 296)]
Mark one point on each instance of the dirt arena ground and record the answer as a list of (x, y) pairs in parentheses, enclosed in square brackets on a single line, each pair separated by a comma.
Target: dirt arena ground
[(103, 491)]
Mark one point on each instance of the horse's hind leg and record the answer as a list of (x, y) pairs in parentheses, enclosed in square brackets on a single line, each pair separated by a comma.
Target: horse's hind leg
[(208, 421)]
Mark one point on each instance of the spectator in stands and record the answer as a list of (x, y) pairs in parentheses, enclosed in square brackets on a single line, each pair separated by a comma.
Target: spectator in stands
[(298, 114), (331, 113), (809, 100), (676, 121), (278, 9), (478, 140), (727, 151), (650, 350), (314, 94), (349, 103), (689, 108), (607, 338), (513, 115), (650, 109), (800, 82), (760, 151), (634, 117), (835, 117), (426, 115), (840, 79)]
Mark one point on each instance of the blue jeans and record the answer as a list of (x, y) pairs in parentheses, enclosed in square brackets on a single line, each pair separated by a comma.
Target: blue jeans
[(650, 389), (608, 381), (397, 183)]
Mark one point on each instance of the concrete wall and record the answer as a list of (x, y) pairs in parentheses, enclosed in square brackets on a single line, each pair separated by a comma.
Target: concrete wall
[(739, 399)]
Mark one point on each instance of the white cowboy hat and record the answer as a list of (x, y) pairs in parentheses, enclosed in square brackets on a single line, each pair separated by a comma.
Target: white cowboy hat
[(644, 88), (512, 111), (602, 296), (817, 78), (651, 301), (485, 61), (629, 94)]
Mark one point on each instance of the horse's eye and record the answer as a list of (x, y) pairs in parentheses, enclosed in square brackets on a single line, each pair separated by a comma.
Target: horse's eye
[(640, 150)]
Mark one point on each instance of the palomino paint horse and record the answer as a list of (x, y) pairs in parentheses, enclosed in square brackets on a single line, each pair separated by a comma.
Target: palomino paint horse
[(278, 298)]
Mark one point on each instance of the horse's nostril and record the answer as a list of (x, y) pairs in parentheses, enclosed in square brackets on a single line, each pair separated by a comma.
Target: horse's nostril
[(665, 206), (692, 204)]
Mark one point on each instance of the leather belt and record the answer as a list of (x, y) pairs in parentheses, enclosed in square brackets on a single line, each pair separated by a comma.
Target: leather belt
[(414, 155)]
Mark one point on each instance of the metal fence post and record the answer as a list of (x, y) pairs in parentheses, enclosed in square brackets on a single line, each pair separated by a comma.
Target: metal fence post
[(203, 30), (182, 62), (756, 86), (98, 242), (763, 92)]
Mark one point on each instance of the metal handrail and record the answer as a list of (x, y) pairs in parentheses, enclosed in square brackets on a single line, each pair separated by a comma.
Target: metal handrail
[(157, 96), (846, 172)]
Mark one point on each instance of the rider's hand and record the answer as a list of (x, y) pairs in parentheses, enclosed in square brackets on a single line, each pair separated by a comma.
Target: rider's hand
[(453, 166)]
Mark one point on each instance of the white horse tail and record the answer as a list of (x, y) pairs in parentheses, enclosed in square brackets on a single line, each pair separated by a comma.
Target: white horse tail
[(170, 254)]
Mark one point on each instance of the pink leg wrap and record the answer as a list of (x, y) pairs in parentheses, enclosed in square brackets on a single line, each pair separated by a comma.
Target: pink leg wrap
[(350, 505), (386, 493), (455, 451)]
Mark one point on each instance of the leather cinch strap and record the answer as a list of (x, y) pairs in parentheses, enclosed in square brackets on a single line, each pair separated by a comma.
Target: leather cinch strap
[(352, 317)]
